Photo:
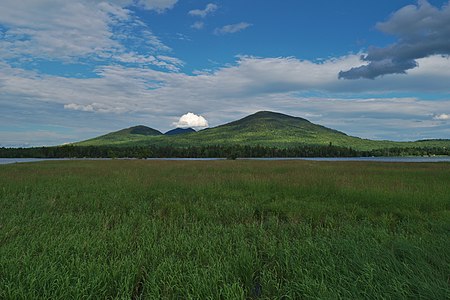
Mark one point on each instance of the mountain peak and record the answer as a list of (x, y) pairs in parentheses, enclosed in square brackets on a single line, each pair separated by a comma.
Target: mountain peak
[(124, 134), (263, 120), (176, 131), (142, 130), (272, 114)]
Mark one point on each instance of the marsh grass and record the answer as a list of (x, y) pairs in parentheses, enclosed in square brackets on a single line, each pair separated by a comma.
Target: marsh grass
[(224, 230)]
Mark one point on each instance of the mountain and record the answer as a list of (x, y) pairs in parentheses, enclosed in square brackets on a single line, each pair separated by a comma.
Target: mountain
[(179, 131), (272, 129), (127, 135), (267, 127), (263, 128)]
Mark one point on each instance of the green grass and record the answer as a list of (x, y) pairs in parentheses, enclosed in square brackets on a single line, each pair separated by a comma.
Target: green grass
[(224, 230)]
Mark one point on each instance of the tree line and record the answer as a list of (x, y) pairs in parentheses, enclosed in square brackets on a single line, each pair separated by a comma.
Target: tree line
[(213, 151)]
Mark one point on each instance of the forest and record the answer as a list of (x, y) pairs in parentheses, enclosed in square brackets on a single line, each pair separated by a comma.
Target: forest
[(218, 151)]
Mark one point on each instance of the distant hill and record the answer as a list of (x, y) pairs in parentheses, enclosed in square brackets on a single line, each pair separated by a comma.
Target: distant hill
[(263, 128), (272, 128), (179, 131), (275, 130), (127, 135)]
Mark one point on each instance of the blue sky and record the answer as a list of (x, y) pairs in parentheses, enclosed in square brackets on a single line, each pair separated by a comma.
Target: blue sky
[(72, 70)]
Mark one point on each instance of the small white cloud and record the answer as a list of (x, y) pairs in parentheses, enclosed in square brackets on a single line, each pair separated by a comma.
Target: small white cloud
[(313, 115), (198, 25), (442, 117), (209, 9), (191, 120), (162, 61), (170, 59), (183, 37), (95, 107), (74, 106), (232, 28)]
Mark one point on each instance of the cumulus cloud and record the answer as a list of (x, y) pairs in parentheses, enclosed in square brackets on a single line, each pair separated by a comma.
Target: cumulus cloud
[(209, 9), (442, 117), (232, 28), (191, 120), (422, 30)]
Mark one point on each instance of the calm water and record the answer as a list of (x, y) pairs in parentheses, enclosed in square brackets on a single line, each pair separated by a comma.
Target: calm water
[(4, 161), (374, 159)]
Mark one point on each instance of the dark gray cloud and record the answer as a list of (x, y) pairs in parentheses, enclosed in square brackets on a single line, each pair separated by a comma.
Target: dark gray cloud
[(422, 30)]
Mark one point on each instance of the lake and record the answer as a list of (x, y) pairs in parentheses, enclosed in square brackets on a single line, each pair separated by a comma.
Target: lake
[(4, 161), (373, 159)]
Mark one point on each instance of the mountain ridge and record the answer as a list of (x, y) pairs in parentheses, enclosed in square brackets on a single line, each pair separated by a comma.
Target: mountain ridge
[(263, 128), (178, 130), (125, 134)]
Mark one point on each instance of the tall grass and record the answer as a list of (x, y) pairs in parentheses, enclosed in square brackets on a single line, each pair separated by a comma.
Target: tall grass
[(224, 230)]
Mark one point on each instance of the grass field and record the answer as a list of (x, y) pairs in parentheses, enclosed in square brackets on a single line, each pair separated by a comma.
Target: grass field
[(224, 230)]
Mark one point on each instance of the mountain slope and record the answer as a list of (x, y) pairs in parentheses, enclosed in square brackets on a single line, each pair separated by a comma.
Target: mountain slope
[(179, 131), (263, 128), (127, 135), (275, 130)]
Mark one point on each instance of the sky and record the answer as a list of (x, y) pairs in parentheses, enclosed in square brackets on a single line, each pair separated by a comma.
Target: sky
[(75, 69)]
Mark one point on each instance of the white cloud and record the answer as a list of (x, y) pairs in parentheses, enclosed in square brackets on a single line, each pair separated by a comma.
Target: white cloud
[(442, 117), (289, 85), (209, 9), (161, 61), (198, 25), (56, 30), (75, 106), (250, 77), (232, 28), (191, 120), (79, 30), (170, 60), (95, 107)]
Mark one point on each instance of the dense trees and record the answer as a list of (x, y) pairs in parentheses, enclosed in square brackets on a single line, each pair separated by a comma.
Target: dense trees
[(231, 151)]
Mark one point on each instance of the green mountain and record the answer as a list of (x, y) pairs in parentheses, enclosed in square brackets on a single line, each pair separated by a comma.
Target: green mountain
[(262, 128), (124, 136), (179, 131), (270, 128)]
